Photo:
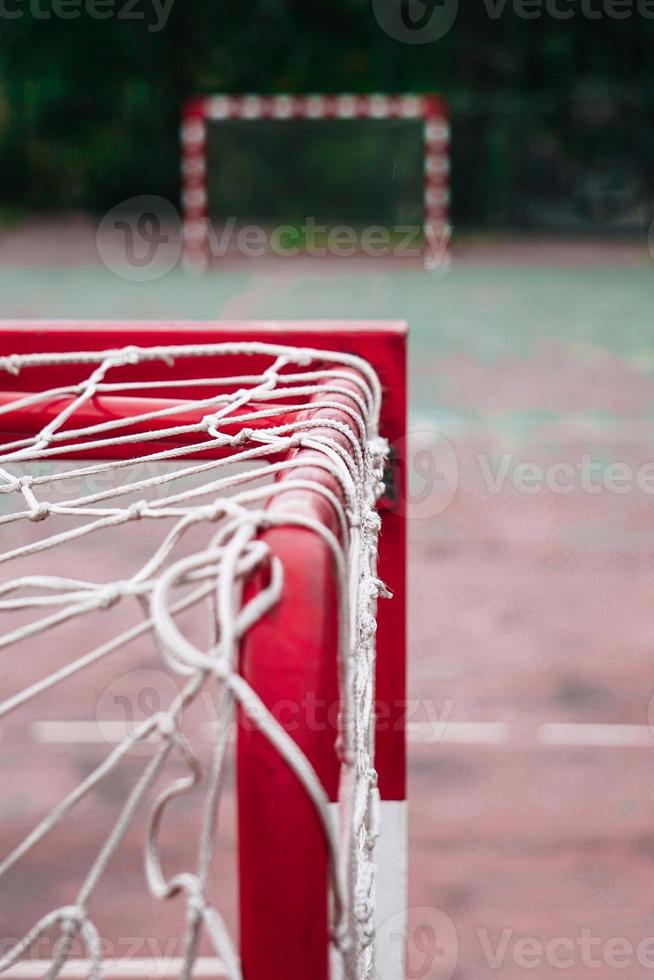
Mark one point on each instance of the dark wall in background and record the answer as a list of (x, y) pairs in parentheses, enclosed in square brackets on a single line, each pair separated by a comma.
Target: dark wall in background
[(553, 120)]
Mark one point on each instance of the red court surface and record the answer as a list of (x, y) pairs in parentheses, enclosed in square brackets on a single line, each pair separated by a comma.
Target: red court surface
[(530, 624), (530, 627)]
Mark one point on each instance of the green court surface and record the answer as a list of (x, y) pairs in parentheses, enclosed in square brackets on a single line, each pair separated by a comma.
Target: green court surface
[(492, 305)]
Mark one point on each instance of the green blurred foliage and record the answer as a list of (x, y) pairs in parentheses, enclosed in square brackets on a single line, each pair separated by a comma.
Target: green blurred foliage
[(89, 109)]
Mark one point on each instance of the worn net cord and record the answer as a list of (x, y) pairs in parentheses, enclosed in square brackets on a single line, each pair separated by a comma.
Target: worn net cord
[(353, 454)]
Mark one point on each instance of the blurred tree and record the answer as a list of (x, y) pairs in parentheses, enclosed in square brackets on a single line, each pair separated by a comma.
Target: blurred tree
[(89, 107)]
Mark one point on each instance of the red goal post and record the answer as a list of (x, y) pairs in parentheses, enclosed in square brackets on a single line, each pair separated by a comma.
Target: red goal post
[(199, 112), (283, 871)]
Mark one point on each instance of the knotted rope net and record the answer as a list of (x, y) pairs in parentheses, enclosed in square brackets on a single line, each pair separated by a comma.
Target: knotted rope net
[(304, 421)]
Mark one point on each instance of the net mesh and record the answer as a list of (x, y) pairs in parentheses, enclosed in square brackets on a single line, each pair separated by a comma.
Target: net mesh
[(358, 171), (303, 422)]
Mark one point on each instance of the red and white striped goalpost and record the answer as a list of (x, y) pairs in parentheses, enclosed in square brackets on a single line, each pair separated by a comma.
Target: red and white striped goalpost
[(290, 656), (200, 112)]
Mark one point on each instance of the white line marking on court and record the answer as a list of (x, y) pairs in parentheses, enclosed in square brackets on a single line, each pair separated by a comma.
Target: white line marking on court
[(457, 732), (205, 966), (418, 733), (600, 735), (79, 732)]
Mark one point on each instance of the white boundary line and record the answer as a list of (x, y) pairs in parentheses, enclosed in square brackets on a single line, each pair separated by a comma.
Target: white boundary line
[(79, 732), (103, 732), (457, 732), (139, 969), (600, 735)]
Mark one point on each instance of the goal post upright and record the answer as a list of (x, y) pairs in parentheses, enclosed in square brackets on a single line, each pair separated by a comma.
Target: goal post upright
[(201, 111), (288, 856), (283, 857)]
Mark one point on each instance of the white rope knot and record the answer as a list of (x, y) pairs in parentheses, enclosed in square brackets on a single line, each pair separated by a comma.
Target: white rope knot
[(197, 903), (368, 625), (340, 936), (109, 595), (365, 914), (137, 510), (209, 422), (39, 512), (11, 364), (218, 668), (363, 908), (372, 521), (379, 589), (212, 512), (88, 385), (128, 355), (245, 435), (166, 725), (379, 449), (73, 915)]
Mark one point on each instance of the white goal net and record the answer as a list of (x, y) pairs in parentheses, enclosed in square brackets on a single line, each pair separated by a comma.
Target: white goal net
[(229, 456)]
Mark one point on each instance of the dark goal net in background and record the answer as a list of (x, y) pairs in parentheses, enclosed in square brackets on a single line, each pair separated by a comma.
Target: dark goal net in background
[(318, 162), (336, 171)]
